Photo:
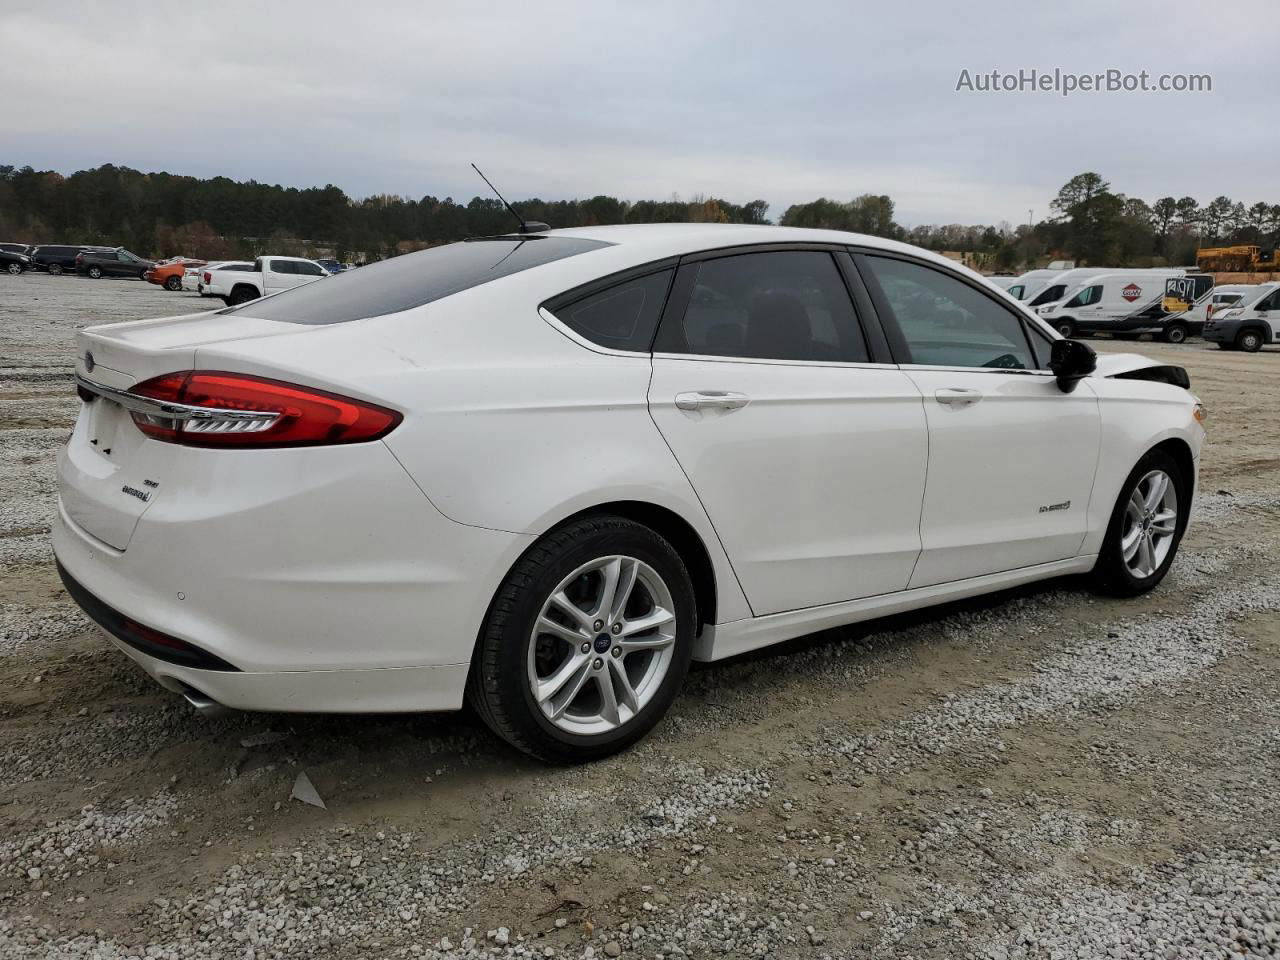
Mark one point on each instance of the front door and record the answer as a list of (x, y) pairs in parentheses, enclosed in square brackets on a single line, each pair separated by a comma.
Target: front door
[(809, 460), (1011, 457)]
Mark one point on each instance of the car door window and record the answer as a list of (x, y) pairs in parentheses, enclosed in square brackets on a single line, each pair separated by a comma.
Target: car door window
[(942, 321), (776, 305), (122, 257), (282, 266), (1085, 297), (310, 269), (623, 317)]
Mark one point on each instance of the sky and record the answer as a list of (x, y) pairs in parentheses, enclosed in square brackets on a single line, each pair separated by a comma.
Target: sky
[(784, 101)]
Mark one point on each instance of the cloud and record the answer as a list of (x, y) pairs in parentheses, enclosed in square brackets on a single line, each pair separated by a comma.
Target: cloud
[(785, 101)]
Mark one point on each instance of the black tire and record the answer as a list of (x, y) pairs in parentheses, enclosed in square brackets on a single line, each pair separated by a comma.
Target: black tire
[(241, 295), (95, 273), (1226, 346), (1250, 340), (1066, 328), (173, 283), (498, 687), (1175, 333), (1110, 574), (55, 269)]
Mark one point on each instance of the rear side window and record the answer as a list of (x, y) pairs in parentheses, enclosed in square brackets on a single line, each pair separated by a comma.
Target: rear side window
[(623, 317), (945, 322), (777, 305), (283, 266), (413, 279)]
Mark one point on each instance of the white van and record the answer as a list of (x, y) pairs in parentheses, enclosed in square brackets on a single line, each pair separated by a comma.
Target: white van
[(1126, 303), (1223, 298), (1062, 284), (1022, 284), (1250, 324), (1001, 283)]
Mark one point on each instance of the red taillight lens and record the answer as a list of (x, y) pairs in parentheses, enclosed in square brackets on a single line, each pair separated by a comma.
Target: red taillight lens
[(206, 276), (293, 416)]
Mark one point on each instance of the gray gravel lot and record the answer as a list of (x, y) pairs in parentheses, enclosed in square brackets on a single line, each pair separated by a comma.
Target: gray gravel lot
[(1042, 774)]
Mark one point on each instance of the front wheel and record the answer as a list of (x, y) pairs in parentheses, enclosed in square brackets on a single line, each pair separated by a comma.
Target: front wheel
[(95, 273), (1146, 527), (1065, 327), (1250, 341), (173, 283), (586, 642), (14, 268)]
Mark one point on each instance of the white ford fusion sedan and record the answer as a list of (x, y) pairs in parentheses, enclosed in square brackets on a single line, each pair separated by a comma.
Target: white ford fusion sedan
[(542, 472)]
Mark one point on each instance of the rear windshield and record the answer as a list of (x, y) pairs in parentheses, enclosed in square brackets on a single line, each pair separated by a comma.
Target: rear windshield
[(413, 279)]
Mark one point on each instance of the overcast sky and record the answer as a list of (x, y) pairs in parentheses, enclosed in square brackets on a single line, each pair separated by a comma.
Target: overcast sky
[(784, 101)]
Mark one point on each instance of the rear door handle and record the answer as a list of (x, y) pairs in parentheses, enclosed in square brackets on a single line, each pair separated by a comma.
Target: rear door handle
[(957, 395), (711, 400)]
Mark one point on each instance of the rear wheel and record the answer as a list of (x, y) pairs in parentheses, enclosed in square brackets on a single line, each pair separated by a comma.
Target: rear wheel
[(586, 642), (95, 273), (1065, 327), (1175, 333), (1146, 527), (14, 268), (55, 269), (241, 295), (173, 283), (1250, 341)]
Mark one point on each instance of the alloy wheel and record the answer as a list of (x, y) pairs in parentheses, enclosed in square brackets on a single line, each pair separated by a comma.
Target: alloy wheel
[(1150, 524), (601, 645)]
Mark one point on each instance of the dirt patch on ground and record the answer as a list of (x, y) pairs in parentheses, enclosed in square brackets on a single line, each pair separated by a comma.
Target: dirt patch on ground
[(1044, 773)]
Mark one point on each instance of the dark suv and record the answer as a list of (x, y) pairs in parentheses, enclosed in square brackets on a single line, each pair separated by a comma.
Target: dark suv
[(58, 257), (112, 263)]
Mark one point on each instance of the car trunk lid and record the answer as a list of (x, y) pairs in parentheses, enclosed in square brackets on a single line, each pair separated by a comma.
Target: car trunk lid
[(110, 473)]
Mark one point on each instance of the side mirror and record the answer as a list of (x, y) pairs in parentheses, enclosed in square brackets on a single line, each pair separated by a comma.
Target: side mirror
[(1071, 361)]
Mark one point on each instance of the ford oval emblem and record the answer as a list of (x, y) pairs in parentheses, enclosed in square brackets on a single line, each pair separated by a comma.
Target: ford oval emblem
[(88, 361)]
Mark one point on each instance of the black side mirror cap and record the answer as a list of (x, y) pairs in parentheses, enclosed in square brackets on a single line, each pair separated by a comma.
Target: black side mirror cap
[(1071, 361)]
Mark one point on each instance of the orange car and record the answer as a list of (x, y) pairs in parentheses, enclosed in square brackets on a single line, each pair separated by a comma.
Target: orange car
[(169, 273)]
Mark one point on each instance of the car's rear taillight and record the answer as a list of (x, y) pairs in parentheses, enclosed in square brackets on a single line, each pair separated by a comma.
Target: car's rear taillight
[(206, 276), (210, 408)]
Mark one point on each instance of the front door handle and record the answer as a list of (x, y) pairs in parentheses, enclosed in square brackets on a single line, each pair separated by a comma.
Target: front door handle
[(710, 400), (957, 395)]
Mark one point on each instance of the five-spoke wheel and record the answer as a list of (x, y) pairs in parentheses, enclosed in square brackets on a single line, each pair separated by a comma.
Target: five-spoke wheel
[(587, 640), (1146, 526), (1151, 523)]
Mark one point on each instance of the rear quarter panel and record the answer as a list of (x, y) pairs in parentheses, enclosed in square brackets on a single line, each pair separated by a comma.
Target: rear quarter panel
[(509, 424)]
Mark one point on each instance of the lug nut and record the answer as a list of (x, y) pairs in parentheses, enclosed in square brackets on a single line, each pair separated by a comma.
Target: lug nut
[(617, 651), (586, 648), (598, 625), (598, 664), (617, 628)]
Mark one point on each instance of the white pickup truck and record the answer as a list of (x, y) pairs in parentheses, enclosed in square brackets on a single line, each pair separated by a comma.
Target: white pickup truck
[(267, 275)]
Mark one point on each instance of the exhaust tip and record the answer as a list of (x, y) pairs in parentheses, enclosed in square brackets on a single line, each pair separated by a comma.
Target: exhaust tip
[(204, 705)]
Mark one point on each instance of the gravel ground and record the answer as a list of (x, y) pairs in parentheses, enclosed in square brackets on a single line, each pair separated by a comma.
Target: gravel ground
[(1040, 774)]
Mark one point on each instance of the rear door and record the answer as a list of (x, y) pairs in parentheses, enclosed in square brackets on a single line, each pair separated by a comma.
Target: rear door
[(1011, 457), (808, 456), (278, 275)]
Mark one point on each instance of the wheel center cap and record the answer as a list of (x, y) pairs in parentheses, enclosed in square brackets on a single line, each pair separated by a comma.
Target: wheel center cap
[(602, 643)]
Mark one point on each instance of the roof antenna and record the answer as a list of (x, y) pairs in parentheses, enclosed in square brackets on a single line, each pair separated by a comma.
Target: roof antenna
[(530, 226)]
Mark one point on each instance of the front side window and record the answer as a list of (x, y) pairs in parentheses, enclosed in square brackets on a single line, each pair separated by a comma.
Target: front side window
[(623, 317), (1086, 296), (1017, 291), (1050, 294), (779, 305), (945, 322), (310, 269), (123, 257), (1271, 302)]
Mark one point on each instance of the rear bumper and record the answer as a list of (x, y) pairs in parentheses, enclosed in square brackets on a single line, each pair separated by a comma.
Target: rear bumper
[(323, 579)]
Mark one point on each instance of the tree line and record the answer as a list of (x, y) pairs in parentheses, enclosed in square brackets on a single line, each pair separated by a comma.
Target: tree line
[(163, 214)]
